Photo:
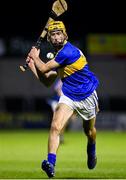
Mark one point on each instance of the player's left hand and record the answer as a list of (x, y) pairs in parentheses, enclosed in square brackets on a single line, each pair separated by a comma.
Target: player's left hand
[(34, 53), (30, 62)]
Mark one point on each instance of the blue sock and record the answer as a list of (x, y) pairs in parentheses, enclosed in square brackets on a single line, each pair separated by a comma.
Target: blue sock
[(91, 149), (52, 158)]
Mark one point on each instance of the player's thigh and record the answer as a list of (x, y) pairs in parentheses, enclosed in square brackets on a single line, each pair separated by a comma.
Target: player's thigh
[(61, 115)]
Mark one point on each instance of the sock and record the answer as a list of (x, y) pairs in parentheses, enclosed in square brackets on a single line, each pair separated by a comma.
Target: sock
[(52, 158), (91, 149)]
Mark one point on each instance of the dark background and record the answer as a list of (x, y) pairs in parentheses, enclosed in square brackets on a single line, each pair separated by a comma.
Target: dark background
[(27, 18)]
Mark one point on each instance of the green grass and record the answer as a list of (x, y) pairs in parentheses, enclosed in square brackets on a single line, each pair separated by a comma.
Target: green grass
[(22, 151)]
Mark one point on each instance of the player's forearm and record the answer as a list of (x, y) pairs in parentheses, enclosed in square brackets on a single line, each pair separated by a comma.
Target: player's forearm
[(48, 78), (40, 76), (43, 78), (33, 69), (41, 66)]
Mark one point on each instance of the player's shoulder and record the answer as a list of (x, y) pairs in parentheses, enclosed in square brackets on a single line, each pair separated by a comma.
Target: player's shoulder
[(68, 48), (69, 45), (64, 50)]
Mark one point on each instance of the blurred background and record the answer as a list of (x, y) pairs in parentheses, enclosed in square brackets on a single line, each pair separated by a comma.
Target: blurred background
[(97, 28)]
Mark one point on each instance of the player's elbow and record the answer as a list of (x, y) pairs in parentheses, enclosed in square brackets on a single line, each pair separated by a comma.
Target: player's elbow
[(44, 69)]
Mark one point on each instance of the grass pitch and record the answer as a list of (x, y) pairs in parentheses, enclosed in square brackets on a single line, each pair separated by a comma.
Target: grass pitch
[(22, 151)]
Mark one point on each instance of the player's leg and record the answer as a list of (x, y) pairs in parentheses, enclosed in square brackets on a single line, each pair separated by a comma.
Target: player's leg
[(90, 131), (72, 119), (60, 118), (62, 135), (88, 110), (53, 104)]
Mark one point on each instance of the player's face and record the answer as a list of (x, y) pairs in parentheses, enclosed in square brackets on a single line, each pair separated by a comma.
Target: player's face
[(57, 38)]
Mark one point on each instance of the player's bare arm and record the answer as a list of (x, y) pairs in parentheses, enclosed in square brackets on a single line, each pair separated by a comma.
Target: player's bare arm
[(40, 65), (46, 78)]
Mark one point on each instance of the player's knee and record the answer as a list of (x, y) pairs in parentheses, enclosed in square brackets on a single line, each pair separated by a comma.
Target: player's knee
[(86, 131), (90, 132), (55, 128)]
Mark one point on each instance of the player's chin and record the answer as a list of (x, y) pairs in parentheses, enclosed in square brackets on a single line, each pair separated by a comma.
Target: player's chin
[(57, 44)]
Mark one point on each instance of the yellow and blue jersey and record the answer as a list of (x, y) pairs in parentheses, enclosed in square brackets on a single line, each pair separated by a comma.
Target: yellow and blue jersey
[(78, 81)]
